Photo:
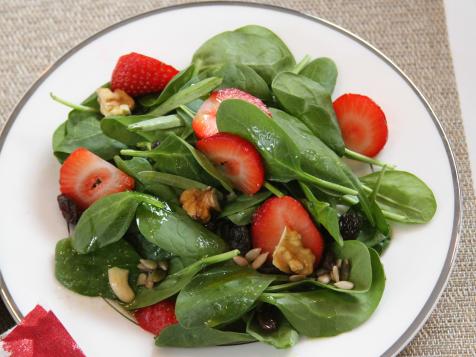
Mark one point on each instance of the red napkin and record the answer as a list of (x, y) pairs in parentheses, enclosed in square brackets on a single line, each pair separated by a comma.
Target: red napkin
[(41, 334)]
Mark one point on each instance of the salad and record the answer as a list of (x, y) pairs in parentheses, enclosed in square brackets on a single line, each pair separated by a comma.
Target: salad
[(213, 204)]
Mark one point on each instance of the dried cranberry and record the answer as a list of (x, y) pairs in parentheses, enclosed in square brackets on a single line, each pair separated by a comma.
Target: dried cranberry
[(69, 209)]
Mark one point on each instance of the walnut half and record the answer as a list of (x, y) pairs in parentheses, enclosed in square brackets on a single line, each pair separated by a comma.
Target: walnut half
[(199, 203), (290, 256), (114, 103)]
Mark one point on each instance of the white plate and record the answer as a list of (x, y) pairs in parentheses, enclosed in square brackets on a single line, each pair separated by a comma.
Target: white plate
[(418, 261)]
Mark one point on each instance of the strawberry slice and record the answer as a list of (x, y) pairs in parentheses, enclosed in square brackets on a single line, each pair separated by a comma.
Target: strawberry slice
[(237, 158), (205, 124), (137, 74), (274, 215), (85, 178), (362, 122), (156, 317)]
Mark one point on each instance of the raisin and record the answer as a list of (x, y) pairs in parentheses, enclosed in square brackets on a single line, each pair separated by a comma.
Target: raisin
[(350, 224), (267, 318), (69, 209), (238, 237)]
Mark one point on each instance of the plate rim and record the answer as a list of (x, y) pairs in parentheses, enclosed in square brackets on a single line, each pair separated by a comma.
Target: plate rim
[(443, 278)]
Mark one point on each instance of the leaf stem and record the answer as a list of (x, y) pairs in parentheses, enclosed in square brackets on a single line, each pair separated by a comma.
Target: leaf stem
[(326, 184), (137, 153), (221, 257), (362, 158), (303, 63), (159, 123), (187, 111), (393, 216), (274, 190), (79, 107)]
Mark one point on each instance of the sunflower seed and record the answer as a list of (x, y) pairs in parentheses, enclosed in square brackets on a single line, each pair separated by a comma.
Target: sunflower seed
[(141, 279), (339, 263), (297, 277), (324, 279), (345, 270), (259, 261), (344, 285), (150, 265), (164, 265), (239, 260), (253, 254), (335, 274)]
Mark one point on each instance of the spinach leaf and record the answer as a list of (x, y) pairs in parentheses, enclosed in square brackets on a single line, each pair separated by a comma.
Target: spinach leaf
[(178, 82), (244, 78), (83, 129), (179, 336), (243, 202), (143, 247), (86, 274), (173, 283), (177, 233), (319, 160), (219, 295), (360, 271), (282, 158), (186, 95), (312, 104), (179, 182), (244, 217), (323, 71), (404, 195), (331, 312), (253, 46), (158, 123), (107, 220), (284, 337), (178, 263), (133, 166), (323, 213)]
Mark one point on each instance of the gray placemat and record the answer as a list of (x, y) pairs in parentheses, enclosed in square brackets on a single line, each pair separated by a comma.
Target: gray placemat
[(412, 33)]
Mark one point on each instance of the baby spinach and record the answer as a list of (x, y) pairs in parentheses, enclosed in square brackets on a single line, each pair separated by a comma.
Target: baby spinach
[(284, 337), (158, 123), (86, 274), (323, 213), (360, 272), (219, 296), (312, 104), (279, 151), (404, 195), (244, 78), (179, 336), (244, 217), (331, 312), (117, 127), (177, 233), (175, 156), (179, 182), (323, 71), (143, 247), (107, 220), (252, 45), (243, 202), (173, 283), (133, 166)]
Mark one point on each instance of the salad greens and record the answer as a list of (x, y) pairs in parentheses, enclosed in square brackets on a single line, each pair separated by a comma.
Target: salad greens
[(220, 299)]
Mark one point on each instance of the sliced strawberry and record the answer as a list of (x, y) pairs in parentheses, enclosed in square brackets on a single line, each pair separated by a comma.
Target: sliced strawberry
[(156, 317), (237, 158), (362, 122), (137, 74), (85, 178), (274, 215), (204, 124)]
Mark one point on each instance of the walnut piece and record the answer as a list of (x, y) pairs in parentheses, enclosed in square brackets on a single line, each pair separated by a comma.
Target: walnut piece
[(290, 256), (114, 103), (199, 203)]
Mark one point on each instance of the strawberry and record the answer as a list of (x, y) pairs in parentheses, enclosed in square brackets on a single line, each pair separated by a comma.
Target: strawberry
[(156, 317), (85, 178), (137, 74), (274, 215), (204, 124), (362, 122), (238, 159)]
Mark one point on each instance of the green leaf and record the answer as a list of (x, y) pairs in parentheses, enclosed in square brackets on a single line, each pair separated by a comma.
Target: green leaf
[(331, 312), (177, 233), (311, 103), (178, 182), (252, 45), (323, 71), (220, 295), (86, 274), (284, 337), (404, 195), (157, 123), (360, 270), (143, 247), (173, 283), (243, 202), (244, 217), (107, 220), (178, 336)]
